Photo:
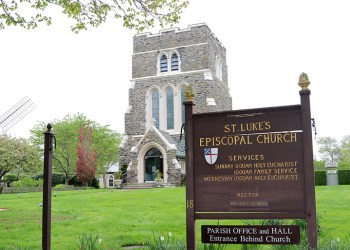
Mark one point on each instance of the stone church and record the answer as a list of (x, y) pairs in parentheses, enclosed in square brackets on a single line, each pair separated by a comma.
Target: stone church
[(163, 65)]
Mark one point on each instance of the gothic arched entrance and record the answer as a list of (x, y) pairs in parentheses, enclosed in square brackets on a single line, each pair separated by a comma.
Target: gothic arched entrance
[(153, 163)]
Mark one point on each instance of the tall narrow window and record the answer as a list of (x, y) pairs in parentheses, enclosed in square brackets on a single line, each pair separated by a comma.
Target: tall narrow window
[(183, 99), (155, 107), (170, 108), (174, 62), (163, 63), (218, 68), (111, 181)]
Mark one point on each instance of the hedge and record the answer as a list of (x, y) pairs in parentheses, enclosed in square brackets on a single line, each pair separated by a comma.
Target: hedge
[(56, 178), (343, 176), (320, 178)]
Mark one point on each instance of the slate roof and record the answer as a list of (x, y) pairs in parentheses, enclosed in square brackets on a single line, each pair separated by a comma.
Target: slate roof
[(179, 152), (114, 168)]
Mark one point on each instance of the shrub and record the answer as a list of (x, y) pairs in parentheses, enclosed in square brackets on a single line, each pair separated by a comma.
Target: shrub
[(124, 168), (344, 177), (75, 182), (94, 183), (183, 180), (118, 175), (9, 178), (27, 182), (320, 178), (56, 178), (159, 175)]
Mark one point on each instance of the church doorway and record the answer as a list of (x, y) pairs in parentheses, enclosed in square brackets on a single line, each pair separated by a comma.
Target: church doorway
[(153, 163)]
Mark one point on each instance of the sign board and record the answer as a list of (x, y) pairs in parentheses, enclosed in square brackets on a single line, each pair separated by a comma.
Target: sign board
[(250, 164), (249, 161), (277, 235)]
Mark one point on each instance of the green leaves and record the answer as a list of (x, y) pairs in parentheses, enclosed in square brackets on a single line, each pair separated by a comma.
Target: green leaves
[(103, 140), (345, 149), (136, 14), (330, 150), (18, 156), (12, 16)]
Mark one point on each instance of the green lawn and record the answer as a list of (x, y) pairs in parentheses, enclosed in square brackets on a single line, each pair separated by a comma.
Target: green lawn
[(127, 217)]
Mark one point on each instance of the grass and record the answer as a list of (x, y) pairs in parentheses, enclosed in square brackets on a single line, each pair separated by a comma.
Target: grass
[(128, 217), (119, 217), (333, 207)]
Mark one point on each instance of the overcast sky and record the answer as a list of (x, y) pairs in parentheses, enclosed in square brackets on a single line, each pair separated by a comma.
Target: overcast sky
[(269, 44)]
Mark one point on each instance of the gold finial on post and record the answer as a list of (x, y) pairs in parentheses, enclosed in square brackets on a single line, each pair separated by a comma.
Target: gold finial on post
[(189, 94), (304, 81)]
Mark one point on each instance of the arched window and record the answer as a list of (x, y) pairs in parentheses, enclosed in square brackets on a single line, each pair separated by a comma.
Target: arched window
[(163, 63), (110, 181), (170, 108), (155, 107), (153, 152), (183, 99), (168, 62), (174, 62)]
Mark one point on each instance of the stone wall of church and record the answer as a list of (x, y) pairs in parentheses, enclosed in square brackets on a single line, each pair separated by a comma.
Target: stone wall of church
[(125, 149), (174, 173), (171, 38), (135, 121), (198, 49), (191, 58)]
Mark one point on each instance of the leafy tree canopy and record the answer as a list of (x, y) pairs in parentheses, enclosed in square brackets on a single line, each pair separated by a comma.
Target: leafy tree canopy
[(18, 156), (86, 164), (329, 149), (103, 140), (135, 14), (345, 149)]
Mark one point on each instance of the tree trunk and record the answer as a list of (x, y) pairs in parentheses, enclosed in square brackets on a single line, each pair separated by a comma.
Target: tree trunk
[(104, 180), (66, 181), (2, 173)]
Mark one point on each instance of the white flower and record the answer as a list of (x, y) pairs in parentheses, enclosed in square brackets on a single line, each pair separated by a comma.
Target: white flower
[(169, 234), (99, 241), (162, 238)]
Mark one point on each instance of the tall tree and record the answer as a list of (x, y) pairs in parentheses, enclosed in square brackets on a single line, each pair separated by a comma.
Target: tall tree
[(345, 149), (329, 149), (86, 164), (135, 14), (66, 132), (17, 156), (104, 140), (107, 150)]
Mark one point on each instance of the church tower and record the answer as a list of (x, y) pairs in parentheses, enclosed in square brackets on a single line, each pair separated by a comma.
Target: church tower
[(163, 65)]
